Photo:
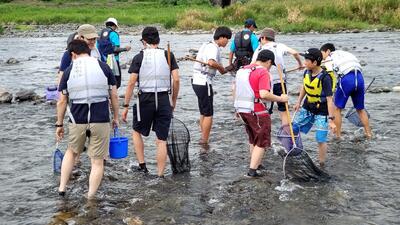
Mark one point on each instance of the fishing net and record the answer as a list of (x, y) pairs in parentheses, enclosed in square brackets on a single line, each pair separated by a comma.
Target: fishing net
[(57, 160), (352, 117), (285, 138), (297, 164), (178, 146)]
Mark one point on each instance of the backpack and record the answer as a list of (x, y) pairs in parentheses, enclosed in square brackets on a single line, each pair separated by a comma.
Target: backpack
[(104, 44)]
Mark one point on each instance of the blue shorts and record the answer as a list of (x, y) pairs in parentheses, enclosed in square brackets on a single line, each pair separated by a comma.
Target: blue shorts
[(304, 120), (349, 86)]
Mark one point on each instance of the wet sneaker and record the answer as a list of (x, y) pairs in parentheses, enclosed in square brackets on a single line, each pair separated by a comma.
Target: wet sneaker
[(140, 168), (61, 193), (253, 173), (261, 167)]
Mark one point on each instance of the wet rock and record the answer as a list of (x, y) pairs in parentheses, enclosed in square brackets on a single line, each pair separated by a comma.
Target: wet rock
[(5, 96), (371, 50), (26, 95), (396, 89), (380, 90), (12, 61), (365, 47), (32, 57), (345, 49), (355, 31), (133, 221), (363, 63)]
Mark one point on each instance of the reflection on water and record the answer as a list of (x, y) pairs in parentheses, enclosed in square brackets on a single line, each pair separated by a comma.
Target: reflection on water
[(365, 174)]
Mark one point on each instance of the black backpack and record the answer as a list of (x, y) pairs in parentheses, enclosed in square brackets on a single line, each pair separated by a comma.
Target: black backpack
[(104, 44)]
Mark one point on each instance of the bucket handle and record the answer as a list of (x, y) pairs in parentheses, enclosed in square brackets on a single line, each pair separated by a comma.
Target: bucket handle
[(116, 132)]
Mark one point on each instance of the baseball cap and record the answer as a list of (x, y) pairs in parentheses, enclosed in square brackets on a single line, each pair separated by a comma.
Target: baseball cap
[(111, 20), (313, 54), (250, 22), (87, 31), (268, 33), (266, 55), (150, 35)]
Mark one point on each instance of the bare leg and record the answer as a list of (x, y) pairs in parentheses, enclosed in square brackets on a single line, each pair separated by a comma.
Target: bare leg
[(96, 175), (77, 159), (139, 146), (322, 150), (206, 128), (251, 149), (338, 122), (365, 121), (161, 156), (256, 157), (201, 123), (284, 118), (66, 169)]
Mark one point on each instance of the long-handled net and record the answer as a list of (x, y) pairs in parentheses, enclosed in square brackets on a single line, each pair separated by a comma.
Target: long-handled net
[(297, 164), (178, 146), (352, 115)]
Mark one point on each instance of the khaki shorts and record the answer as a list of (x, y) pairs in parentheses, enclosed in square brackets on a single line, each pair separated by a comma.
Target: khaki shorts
[(99, 140)]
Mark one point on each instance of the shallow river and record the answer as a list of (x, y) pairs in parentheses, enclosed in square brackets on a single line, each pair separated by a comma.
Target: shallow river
[(364, 188)]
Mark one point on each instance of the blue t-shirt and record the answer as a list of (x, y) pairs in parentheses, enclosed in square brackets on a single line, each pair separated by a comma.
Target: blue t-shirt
[(253, 40), (99, 112), (65, 61), (114, 38)]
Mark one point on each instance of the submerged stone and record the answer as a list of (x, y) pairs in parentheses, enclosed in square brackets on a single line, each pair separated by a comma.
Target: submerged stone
[(5, 96)]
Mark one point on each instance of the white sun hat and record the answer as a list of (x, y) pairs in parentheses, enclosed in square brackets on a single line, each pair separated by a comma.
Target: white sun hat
[(112, 20)]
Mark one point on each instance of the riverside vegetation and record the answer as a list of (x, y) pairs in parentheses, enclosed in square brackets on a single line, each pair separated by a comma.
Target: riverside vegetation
[(283, 15)]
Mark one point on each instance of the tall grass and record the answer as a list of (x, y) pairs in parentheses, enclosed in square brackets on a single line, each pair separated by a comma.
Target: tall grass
[(283, 15)]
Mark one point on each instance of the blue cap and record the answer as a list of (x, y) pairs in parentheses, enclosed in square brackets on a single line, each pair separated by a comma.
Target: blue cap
[(250, 22)]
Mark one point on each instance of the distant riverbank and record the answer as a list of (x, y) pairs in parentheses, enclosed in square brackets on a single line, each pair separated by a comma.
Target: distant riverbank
[(286, 16)]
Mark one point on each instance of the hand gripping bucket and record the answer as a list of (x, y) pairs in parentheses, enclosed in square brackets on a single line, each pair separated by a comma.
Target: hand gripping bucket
[(118, 146)]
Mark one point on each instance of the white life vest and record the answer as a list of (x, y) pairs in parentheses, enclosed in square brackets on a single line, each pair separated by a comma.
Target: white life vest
[(344, 62), (154, 73), (87, 82), (203, 74), (244, 94)]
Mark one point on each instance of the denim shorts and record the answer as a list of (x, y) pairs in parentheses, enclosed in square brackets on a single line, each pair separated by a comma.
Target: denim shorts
[(304, 120)]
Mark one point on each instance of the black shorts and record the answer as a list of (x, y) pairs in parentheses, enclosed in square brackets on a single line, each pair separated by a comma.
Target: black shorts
[(277, 90), (158, 119), (204, 100)]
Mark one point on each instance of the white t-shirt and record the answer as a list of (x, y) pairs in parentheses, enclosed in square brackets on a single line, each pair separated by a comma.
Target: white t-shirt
[(206, 52), (279, 51)]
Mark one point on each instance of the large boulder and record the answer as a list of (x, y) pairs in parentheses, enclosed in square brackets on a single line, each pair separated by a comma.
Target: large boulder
[(5, 96), (25, 95)]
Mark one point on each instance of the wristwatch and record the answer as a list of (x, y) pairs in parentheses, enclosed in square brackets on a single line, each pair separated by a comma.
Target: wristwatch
[(58, 125), (125, 105), (331, 117)]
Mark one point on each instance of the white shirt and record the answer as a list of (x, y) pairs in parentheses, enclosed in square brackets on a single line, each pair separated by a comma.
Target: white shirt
[(206, 52), (279, 51)]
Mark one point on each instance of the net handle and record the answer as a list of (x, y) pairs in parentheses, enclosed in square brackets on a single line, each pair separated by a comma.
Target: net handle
[(286, 105)]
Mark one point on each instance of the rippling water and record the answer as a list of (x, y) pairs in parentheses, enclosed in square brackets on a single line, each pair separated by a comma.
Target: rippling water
[(366, 174)]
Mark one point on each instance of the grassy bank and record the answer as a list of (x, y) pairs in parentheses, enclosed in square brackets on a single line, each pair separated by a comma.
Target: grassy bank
[(283, 15)]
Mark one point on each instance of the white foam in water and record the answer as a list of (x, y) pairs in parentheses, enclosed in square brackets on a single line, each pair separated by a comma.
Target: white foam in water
[(284, 197), (287, 186), (134, 200), (212, 201)]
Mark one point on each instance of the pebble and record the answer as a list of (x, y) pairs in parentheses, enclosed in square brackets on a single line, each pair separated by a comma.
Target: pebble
[(12, 61), (396, 89)]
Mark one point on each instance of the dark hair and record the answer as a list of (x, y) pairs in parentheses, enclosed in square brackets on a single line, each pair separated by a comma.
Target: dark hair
[(78, 47), (327, 46), (224, 32), (110, 24), (150, 35)]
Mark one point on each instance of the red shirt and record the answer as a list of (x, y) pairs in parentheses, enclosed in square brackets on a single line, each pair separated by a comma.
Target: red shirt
[(259, 80)]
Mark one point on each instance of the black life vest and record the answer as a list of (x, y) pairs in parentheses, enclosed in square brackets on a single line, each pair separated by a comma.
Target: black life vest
[(243, 44)]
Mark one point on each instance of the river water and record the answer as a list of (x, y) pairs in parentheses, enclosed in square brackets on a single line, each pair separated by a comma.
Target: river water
[(364, 188)]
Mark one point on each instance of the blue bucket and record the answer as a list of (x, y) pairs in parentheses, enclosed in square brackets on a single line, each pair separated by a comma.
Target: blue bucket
[(118, 146)]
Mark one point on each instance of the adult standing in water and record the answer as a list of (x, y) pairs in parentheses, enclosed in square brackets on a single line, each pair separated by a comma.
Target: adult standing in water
[(350, 84), (87, 84), (109, 44), (243, 45), (158, 88), (87, 33), (318, 108), (252, 86), (202, 78), (267, 41)]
